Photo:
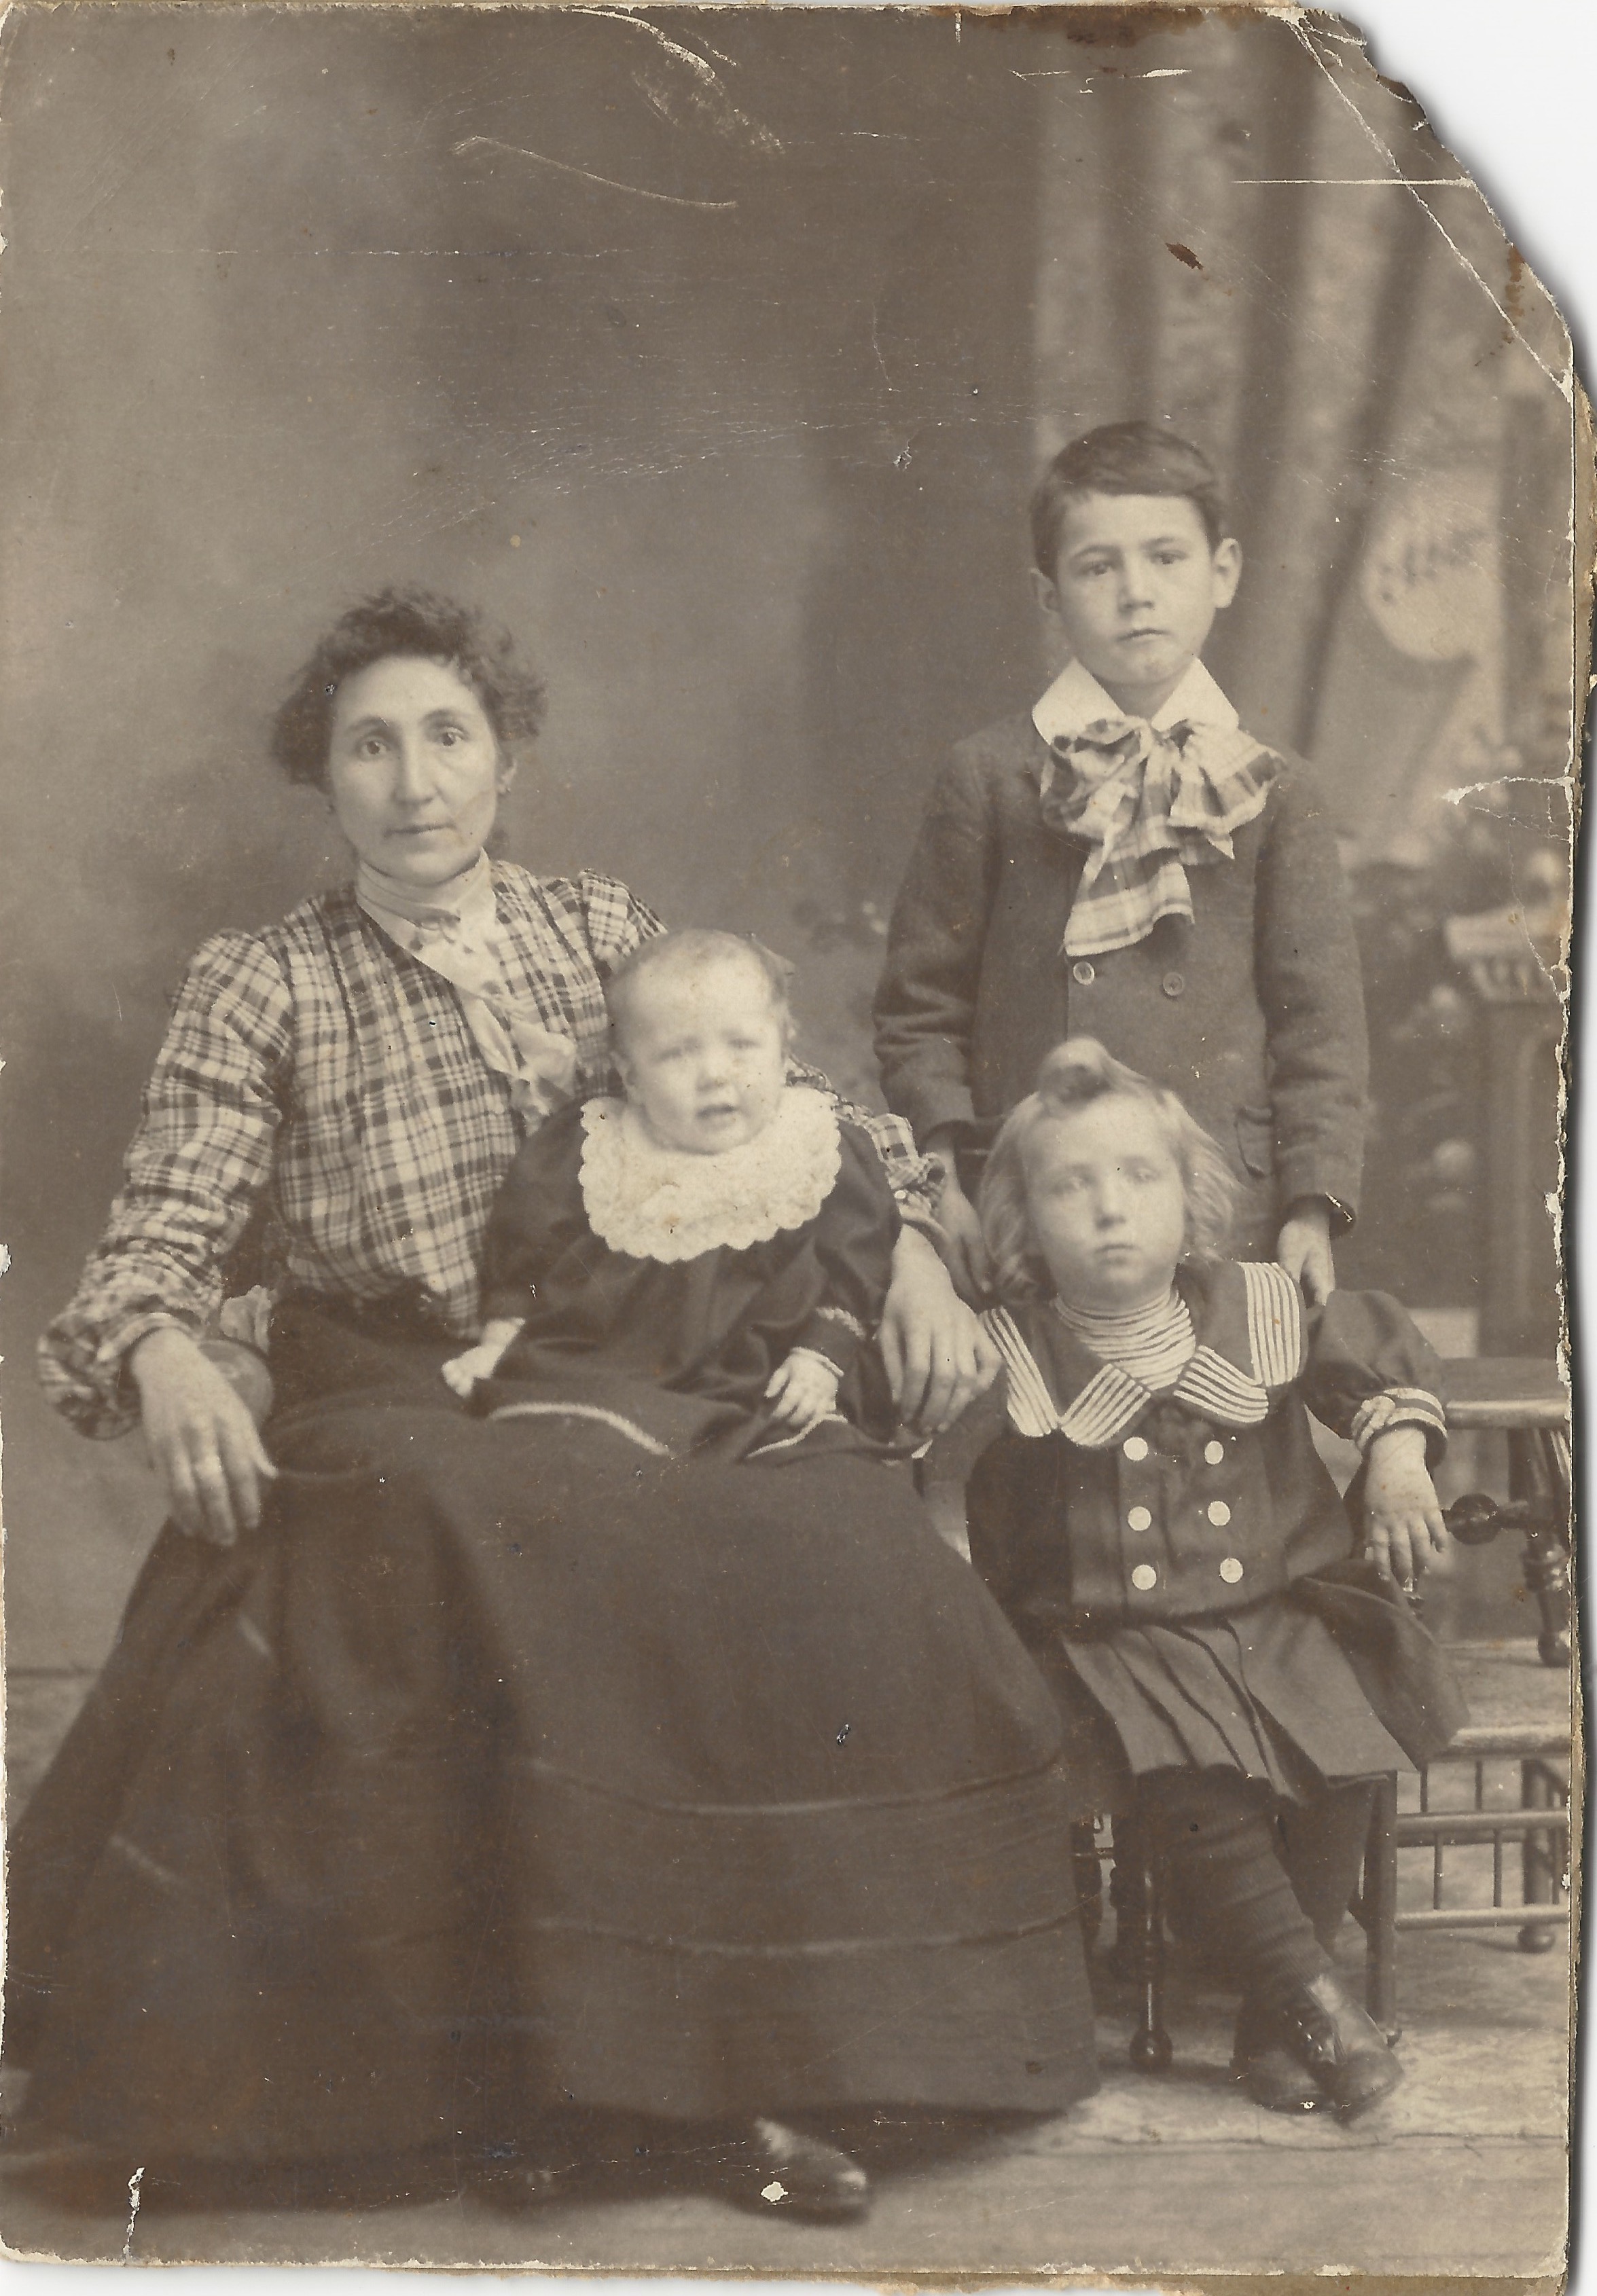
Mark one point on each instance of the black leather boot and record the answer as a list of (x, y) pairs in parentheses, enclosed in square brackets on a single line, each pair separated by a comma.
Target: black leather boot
[(1345, 2050), (1266, 2064)]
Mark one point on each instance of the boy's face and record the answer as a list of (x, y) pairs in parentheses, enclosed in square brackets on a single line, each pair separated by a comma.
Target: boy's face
[(1107, 1204), (704, 1054), (1136, 591)]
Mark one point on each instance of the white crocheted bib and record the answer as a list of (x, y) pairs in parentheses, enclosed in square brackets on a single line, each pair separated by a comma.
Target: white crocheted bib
[(655, 1203)]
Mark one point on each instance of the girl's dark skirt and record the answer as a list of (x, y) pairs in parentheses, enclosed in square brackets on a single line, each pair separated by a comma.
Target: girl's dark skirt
[(524, 1765)]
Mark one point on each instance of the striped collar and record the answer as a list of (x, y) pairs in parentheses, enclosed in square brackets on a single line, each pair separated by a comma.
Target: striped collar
[(1247, 1317)]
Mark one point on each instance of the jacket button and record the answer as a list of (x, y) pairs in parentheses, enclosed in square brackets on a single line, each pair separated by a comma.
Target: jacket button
[(1083, 972), (1214, 1453), (1230, 1571), (1175, 984), (1135, 1447), (1139, 1519), (1144, 1576), (1218, 1513)]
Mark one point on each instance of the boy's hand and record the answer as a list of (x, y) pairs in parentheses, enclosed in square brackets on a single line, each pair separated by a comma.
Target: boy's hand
[(1303, 1248), (463, 1372), (802, 1389), (1403, 1529), (969, 1262)]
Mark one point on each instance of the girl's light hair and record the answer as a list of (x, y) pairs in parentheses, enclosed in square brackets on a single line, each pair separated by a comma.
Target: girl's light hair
[(692, 949), (1074, 1075)]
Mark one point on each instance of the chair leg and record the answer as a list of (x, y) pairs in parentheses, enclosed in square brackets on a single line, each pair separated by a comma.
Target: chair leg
[(1535, 1473), (1538, 1855), (1150, 2051), (1089, 1877), (1377, 1907)]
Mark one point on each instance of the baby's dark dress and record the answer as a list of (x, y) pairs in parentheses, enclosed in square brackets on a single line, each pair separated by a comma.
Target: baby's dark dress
[(687, 1344)]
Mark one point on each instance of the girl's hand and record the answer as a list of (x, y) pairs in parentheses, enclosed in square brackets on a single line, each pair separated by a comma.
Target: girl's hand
[(803, 1390), (938, 1357), (1403, 1529), (1303, 1248), (200, 1439)]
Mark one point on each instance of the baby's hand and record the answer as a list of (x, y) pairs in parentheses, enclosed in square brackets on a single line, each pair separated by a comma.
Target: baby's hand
[(802, 1389), (463, 1372), (1404, 1528)]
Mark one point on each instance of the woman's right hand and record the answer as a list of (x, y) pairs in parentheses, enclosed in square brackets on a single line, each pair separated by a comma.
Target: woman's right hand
[(200, 1439)]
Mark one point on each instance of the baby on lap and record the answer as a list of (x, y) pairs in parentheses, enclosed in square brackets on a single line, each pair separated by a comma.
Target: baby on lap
[(719, 1231)]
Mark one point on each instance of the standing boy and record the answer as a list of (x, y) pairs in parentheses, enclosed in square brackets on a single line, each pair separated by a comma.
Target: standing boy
[(1128, 863)]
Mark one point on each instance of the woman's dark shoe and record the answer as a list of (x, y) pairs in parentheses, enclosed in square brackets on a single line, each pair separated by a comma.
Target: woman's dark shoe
[(1263, 2060), (778, 2170), (1346, 2051)]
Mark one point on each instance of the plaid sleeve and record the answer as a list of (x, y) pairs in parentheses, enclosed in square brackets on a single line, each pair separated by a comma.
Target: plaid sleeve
[(617, 921), (915, 1180), (197, 1166)]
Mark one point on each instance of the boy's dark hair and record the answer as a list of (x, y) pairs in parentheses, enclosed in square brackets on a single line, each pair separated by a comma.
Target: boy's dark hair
[(1123, 458), (412, 623)]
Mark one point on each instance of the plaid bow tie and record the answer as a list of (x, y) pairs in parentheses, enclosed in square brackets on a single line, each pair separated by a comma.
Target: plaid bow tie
[(1151, 804)]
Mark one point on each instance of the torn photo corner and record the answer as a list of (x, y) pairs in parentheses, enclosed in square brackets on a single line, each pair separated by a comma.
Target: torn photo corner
[(695, 1606)]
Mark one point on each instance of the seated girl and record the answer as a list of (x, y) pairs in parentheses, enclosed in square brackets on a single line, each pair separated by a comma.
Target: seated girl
[(1155, 1519), (718, 1233)]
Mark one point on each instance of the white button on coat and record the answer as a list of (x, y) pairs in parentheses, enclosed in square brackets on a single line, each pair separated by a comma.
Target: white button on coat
[(1135, 1447), (1139, 1519), (1144, 1576), (1214, 1453), (1218, 1513), (1230, 1571)]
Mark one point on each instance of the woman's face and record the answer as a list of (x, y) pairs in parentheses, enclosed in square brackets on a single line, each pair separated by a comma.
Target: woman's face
[(1107, 1205), (414, 770)]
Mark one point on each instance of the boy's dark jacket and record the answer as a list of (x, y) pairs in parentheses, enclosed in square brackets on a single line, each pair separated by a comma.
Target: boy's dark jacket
[(1254, 1012), (1053, 1521)]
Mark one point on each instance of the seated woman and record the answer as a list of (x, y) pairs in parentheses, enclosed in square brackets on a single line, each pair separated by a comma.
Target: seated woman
[(493, 1771)]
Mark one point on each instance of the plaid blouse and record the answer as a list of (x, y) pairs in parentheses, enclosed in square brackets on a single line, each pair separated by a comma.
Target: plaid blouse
[(316, 1075)]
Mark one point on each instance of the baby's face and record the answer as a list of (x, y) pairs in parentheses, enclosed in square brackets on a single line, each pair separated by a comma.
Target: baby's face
[(1136, 591), (704, 1055), (1107, 1205)]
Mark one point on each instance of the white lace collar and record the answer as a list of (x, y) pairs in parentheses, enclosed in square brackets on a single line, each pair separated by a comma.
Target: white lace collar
[(654, 1202)]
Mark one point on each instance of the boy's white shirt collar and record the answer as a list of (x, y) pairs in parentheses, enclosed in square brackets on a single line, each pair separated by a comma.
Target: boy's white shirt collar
[(1075, 701)]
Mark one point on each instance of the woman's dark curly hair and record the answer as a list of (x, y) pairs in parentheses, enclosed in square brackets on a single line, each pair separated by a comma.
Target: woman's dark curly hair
[(410, 622)]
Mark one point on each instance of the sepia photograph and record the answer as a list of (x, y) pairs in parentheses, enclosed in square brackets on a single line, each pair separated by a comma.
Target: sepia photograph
[(790, 817)]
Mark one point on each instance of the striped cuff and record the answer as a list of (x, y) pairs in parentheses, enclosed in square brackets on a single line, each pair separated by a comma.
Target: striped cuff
[(1398, 1407)]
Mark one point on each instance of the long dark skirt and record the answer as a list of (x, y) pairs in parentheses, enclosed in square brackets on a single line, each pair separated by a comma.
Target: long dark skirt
[(522, 1765)]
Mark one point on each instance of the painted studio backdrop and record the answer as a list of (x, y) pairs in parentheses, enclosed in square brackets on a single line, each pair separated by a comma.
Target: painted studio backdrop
[(717, 354)]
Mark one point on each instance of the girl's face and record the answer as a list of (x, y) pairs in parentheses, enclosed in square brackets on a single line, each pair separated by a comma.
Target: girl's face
[(414, 770), (704, 1054), (1107, 1204)]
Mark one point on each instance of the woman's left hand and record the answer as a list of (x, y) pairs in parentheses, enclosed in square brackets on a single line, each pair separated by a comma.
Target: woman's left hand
[(1404, 1528), (938, 1357)]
